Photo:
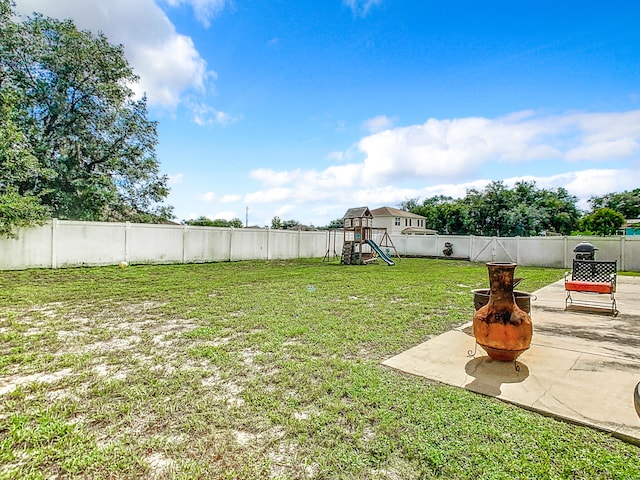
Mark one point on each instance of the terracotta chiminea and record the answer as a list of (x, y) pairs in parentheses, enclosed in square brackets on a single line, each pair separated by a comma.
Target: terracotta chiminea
[(501, 327)]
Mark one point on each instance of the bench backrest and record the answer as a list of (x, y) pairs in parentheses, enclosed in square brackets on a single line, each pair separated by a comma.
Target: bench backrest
[(593, 270)]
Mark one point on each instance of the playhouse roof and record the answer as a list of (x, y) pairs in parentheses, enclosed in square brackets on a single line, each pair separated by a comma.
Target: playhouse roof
[(358, 212)]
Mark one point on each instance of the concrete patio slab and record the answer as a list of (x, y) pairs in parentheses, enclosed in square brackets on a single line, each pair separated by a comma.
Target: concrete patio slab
[(583, 364)]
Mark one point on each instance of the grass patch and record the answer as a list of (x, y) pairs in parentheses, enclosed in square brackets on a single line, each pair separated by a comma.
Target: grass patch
[(261, 370)]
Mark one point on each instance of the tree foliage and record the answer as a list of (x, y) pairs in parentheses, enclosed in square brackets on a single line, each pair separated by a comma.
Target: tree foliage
[(278, 224), (218, 222), (73, 111), (603, 221), (336, 223), (20, 206), (525, 210), (626, 203)]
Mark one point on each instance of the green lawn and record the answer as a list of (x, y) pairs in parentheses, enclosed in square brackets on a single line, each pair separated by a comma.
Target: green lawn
[(261, 370)]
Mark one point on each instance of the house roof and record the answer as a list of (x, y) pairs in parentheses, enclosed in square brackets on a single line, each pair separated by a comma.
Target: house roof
[(418, 231), (393, 212), (358, 212)]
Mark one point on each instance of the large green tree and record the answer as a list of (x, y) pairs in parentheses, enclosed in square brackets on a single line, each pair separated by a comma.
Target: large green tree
[(443, 214), (626, 203), (84, 127), (523, 210), (20, 206), (561, 213), (603, 221)]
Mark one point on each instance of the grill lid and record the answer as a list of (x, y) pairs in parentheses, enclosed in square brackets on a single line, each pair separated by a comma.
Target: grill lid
[(585, 247)]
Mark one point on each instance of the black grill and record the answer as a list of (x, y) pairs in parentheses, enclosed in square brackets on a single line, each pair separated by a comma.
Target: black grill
[(585, 251)]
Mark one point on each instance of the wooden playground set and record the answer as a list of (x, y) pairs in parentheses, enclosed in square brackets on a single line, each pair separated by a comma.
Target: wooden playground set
[(359, 246)]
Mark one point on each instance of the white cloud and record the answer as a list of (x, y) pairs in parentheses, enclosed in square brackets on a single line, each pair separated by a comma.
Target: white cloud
[(175, 179), (225, 215), (205, 10), (167, 62), (230, 198), (315, 205), (285, 210), (583, 184), (461, 147), (271, 177), (593, 182), (378, 124), (336, 156), (343, 155), (450, 156), (210, 197), (204, 115), (361, 8), (271, 195), (331, 177)]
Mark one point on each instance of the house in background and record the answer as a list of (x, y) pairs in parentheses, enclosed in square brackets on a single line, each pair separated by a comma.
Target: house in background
[(400, 222), (631, 226)]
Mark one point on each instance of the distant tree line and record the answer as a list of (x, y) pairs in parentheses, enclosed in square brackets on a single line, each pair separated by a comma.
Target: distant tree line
[(278, 224), (525, 210), (218, 222)]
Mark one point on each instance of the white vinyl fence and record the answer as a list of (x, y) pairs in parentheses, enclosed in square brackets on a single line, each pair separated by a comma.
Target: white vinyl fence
[(533, 251), (68, 243)]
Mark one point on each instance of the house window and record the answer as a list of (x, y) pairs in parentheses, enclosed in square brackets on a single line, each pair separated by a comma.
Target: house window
[(397, 222)]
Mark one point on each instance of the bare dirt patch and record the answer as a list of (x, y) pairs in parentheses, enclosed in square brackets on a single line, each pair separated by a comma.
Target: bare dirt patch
[(9, 384)]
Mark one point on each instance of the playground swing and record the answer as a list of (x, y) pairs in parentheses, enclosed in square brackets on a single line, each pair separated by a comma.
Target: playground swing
[(331, 255)]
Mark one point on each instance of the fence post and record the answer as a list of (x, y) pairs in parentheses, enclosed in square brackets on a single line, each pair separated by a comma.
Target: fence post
[(268, 243), (54, 243), (127, 240), (185, 233)]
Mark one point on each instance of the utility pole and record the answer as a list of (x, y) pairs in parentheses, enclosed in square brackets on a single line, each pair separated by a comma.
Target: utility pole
[(246, 218)]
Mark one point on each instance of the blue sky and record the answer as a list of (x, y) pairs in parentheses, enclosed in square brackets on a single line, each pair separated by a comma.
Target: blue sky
[(302, 109)]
